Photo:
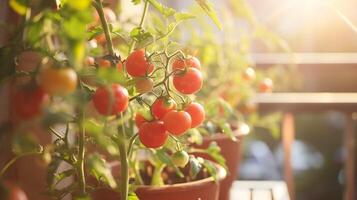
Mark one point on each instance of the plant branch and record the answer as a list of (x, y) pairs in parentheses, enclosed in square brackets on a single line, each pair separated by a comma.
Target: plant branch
[(133, 42)]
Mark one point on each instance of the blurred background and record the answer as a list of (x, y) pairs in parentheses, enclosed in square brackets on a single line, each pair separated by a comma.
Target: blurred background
[(310, 27)]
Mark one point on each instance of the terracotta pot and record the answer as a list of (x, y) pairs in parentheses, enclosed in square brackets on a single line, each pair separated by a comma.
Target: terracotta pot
[(231, 151), (204, 189)]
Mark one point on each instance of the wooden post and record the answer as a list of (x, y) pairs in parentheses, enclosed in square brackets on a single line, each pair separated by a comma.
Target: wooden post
[(288, 141), (350, 161)]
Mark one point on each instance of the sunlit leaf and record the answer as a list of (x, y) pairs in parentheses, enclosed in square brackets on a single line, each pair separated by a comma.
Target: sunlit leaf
[(19, 6), (212, 170), (227, 129), (207, 6), (166, 11), (180, 16), (99, 168)]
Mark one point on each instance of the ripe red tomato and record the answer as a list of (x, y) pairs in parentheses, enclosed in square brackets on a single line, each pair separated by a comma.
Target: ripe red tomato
[(266, 85), (190, 61), (161, 106), (139, 120), (137, 64), (180, 158), (249, 74), (9, 191), (196, 112), (62, 81), (111, 101), (177, 122), (153, 134), (144, 85), (189, 82), (27, 103)]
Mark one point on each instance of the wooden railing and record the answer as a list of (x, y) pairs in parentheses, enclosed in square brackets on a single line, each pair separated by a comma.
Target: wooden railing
[(327, 76)]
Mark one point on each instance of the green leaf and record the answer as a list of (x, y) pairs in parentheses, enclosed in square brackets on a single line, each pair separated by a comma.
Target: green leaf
[(195, 166), (136, 2), (180, 16), (19, 6), (111, 75), (207, 6), (195, 136), (166, 159), (25, 143), (166, 11), (215, 152), (212, 170), (132, 196), (79, 4), (62, 175), (100, 170), (227, 129), (100, 136)]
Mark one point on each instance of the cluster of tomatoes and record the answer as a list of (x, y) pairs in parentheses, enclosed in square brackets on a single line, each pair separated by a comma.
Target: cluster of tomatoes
[(167, 119)]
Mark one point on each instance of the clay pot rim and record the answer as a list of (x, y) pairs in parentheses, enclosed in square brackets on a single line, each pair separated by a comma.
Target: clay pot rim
[(222, 173)]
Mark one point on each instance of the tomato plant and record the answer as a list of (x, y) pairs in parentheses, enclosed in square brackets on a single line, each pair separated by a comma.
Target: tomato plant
[(112, 100), (88, 64)]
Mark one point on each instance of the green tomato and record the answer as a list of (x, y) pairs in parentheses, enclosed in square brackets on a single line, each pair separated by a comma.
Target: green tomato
[(180, 158)]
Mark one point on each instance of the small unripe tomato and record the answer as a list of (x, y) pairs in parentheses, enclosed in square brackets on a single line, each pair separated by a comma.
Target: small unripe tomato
[(197, 113), (137, 64), (190, 61), (61, 81), (111, 100), (249, 74), (177, 122), (144, 85), (188, 83), (153, 134), (9, 191), (161, 106), (180, 158), (266, 85), (27, 103)]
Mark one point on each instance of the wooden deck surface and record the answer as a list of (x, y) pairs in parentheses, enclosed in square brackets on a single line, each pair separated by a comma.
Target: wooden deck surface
[(259, 190)]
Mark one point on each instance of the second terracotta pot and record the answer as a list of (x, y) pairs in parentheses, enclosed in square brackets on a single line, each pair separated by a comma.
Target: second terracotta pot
[(231, 151)]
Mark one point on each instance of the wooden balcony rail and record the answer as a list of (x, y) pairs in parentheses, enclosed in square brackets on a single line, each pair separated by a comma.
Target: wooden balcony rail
[(294, 103)]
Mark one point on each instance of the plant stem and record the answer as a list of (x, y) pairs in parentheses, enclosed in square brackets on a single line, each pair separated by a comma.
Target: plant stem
[(133, 42), (99, 7), (156, 177), (80, 164), (124, 169), (13, 160)]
